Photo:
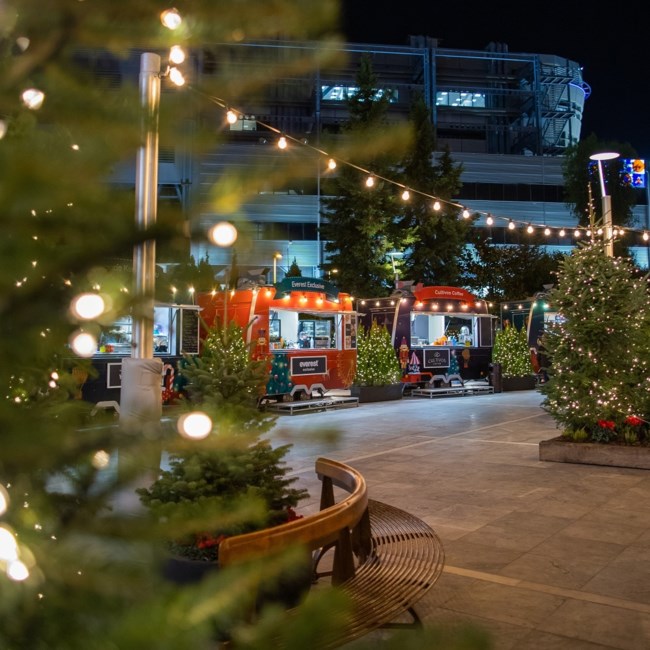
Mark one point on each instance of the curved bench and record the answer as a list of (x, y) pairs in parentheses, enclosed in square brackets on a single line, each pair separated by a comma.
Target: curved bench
[(382, 557)]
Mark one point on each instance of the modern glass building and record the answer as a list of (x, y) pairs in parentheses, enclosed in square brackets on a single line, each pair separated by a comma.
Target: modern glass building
[(507, 117)]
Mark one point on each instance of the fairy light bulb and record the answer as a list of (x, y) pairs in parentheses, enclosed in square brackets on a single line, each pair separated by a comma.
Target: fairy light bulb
[(489, 220), (83, 344), (231, 116), (599, 231), (645, 236), (33, 98), (370, 181), (436, 206), (511, 225), (562, 232), (223, 234), (88, 306), (8, 545), (171, 19), (465, 213), (547, 231), (530, 229), (576, 233), (177, 54), (4, 500), (195, 425), (176, 77), (406, 195), (331, 164), (282, 143)]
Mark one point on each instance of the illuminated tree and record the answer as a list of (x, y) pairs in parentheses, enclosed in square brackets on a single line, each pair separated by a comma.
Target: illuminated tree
[(599, 354), (377, 363)]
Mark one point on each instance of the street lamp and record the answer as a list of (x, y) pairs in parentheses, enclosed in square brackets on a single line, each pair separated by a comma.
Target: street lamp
[(276, 257), (606, 199)]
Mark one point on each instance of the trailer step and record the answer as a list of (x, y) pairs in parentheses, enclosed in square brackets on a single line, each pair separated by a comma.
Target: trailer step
[(449, 391), (310, 405)]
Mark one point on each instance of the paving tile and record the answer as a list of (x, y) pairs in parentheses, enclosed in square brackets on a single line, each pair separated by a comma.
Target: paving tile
[(626, 576)]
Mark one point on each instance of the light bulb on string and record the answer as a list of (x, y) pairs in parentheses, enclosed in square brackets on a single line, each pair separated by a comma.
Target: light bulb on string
[(489, 220), (282, 142), (231, 116), (83, 344), (223, 234), (645, 236), (511, 225), (176, 77), (171, 19), (33, 98), (530, 229), (406, 195), (331, 164), (436, 206), (547, 231), (562, 232), (370, 181), (177, 54), (576, 233), (465, 213)]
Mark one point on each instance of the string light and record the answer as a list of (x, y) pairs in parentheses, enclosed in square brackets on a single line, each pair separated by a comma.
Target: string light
[(231, 116), (171, 19), (406, 194), (176, 77), (177, 54), (33, 98)]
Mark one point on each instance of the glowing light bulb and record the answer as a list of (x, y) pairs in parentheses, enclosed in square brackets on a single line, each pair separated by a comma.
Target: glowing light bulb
[(370, 181), (489, 221), (3, 129), (530, 229), (331, 164), (465, 213), (282, 143), (195, 425), (436, 206), (562, 232), (33, 98), (83, 344), (511, 225), (4, 500), (17, 571), (171, 19), (231, 117), (8, 546), (576, 233), (88, 306), (406, 195), (223, 234), (547, 231), (176, 77), (646, 236), (177, 54)]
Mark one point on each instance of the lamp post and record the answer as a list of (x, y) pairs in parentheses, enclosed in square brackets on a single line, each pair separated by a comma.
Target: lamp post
[(140, 394), (276, 257), (606, 200)]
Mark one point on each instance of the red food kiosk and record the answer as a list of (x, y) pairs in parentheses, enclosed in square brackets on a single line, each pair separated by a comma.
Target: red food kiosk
[(304, 327)]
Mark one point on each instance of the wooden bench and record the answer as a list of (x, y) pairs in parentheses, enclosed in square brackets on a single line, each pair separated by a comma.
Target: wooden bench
[(382, 557)]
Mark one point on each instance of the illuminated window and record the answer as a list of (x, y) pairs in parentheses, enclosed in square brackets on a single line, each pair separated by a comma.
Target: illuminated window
[(460, 99), (342, 93)]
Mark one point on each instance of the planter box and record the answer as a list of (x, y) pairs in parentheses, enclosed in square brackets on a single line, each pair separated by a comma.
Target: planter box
[(594, 453), (377, 393), (518, 383)]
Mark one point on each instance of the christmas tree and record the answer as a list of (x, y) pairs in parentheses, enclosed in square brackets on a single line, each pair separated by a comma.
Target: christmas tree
[(599, 384), (377, 363), (279, 382), (512, 352)]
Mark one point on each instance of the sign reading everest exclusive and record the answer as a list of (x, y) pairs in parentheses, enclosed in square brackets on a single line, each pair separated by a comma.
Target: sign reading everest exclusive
[(289, 284), (308, 365)]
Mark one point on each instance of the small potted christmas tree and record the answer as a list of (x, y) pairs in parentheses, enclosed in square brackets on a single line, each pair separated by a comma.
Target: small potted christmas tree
[(512, 353), (378, 375)]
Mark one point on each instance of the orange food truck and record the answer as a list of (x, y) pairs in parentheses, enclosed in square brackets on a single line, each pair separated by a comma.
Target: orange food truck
[(304, 327)]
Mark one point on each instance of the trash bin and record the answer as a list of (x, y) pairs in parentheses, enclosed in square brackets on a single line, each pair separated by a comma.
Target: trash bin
[(495, 377)]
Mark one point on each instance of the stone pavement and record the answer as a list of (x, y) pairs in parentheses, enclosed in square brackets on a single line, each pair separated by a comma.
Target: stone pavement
[(544, 556)]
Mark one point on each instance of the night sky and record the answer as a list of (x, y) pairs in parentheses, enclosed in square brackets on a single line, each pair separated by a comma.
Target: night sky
[(610, 45)]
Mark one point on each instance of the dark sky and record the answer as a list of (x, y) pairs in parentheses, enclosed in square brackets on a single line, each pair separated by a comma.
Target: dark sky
[(610, 44)]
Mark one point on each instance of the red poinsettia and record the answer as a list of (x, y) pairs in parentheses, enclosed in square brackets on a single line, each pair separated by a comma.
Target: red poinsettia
[(606, 424), (633, 421)]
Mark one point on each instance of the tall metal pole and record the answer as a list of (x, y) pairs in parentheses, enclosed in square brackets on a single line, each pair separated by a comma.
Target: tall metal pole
[(606, 200), (141, 392)]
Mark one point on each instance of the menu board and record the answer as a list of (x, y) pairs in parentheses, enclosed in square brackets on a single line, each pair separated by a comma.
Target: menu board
[(189, 331)]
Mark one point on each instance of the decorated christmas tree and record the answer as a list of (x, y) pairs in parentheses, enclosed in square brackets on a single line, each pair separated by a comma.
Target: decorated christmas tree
[(599, 386), (377, 363), (454, 368), (279, 382), (512, 352)]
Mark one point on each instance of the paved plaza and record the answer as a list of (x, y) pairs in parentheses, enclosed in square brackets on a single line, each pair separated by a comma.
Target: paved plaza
[(542, 555)]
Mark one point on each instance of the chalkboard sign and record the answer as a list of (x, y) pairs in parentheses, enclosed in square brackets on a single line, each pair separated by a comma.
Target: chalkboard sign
[(436, 358), (189, 331)]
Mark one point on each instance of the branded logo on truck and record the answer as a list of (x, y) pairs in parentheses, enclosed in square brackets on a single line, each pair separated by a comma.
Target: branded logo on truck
[(308, 365)]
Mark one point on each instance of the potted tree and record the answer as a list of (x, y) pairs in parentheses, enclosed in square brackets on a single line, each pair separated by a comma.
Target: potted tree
[(512, 353), (378, 375), (231, 482)]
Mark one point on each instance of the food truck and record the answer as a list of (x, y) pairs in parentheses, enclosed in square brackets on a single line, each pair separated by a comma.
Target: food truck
[(175, 333), (436, 330), (304, 327)]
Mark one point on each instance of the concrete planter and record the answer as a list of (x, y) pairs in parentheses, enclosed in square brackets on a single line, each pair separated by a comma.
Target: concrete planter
[(377, 393), (594, 453)]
